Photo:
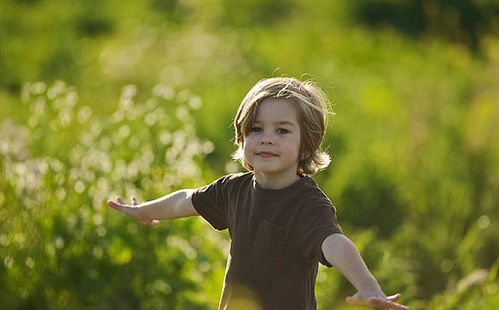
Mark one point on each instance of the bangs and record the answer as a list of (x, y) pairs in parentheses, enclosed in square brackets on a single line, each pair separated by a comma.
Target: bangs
[(248, 118), (312, 107)]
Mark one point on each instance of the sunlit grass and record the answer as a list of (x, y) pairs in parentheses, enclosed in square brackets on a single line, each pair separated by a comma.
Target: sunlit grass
[(59, 169), (151, 88)]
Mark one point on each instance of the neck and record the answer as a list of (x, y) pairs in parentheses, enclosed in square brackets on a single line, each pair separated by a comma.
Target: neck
[(269, 181)]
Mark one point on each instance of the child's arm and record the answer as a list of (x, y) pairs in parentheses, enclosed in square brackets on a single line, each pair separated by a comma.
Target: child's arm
[(341, 253), (175, 205)]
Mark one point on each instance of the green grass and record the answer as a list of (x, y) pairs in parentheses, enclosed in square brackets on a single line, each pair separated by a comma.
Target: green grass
[(138, 99)]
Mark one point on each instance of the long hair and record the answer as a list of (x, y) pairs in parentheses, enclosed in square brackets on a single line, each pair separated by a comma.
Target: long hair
[(312, 108)]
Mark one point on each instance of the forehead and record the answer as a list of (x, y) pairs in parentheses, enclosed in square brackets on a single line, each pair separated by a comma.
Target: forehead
[(276, 110)]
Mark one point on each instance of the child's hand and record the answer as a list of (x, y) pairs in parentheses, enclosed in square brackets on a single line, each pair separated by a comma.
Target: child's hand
[(376, 299), (133, 210)]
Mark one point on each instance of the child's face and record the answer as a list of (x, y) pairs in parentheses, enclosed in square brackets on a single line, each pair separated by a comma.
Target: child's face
[(272, 146)]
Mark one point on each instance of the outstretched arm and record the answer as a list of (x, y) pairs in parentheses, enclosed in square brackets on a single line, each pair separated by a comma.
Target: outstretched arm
[(175, 205), (341, 253)]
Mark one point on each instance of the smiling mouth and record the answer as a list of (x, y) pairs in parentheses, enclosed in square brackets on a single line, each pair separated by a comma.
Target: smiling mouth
[(266, 154)]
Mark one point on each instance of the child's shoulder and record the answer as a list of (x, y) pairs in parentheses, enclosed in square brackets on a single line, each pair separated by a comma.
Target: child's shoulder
[(314, 195), (311, 186), (238, 176), (234, 179)]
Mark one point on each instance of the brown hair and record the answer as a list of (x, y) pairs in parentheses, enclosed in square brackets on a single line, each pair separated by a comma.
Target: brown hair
[(312, 108)]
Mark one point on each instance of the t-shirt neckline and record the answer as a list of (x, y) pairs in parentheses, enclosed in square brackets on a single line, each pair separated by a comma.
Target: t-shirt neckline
[(290, 187)]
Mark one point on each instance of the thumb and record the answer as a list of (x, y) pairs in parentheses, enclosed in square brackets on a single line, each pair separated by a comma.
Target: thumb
[(114, 205), (151, 222), (122, 208)]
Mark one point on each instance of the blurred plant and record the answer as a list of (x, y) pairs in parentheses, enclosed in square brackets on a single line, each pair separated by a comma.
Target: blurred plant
[(415, 175), (59, 246), (465, 22)]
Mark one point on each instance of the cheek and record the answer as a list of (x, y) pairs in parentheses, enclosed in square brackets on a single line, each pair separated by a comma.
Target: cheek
[(246, 147), (298, 145), (248, 142)]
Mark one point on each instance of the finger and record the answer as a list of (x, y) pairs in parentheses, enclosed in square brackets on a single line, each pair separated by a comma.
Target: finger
[(386, 304), (395, 306), (114, 205), (394, 297), (150, 222)]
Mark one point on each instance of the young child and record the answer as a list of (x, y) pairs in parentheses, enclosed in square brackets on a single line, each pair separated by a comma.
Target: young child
[(280, 223)]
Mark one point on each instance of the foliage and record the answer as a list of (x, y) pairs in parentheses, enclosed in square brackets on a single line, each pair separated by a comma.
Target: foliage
[(464, 22), (414, 142), (60, 247)]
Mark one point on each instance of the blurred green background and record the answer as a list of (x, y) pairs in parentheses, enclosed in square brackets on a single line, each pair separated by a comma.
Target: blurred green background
[(105, 98)]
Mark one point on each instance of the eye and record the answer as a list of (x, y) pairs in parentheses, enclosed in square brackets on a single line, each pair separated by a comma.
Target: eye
[(282, 131), (255, 129)]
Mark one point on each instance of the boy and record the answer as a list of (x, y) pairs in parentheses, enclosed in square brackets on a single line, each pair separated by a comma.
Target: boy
[(280, 223)]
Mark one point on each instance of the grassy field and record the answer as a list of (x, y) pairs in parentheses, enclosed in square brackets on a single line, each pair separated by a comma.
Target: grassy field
[(99, 99)]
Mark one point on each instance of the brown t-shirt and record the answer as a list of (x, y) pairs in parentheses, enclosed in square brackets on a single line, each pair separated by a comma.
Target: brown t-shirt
[(276, 239)]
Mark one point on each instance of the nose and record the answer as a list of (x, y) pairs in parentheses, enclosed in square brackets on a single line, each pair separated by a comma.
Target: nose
[(266, 140)]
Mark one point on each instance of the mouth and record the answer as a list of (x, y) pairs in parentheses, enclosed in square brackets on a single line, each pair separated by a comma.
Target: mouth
[(266, 154)]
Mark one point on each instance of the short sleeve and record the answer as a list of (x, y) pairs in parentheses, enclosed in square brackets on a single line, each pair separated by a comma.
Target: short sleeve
[(211, 202), (319, 223)]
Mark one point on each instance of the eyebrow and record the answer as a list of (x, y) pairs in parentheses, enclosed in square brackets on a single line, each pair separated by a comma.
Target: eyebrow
[(280, 123)]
